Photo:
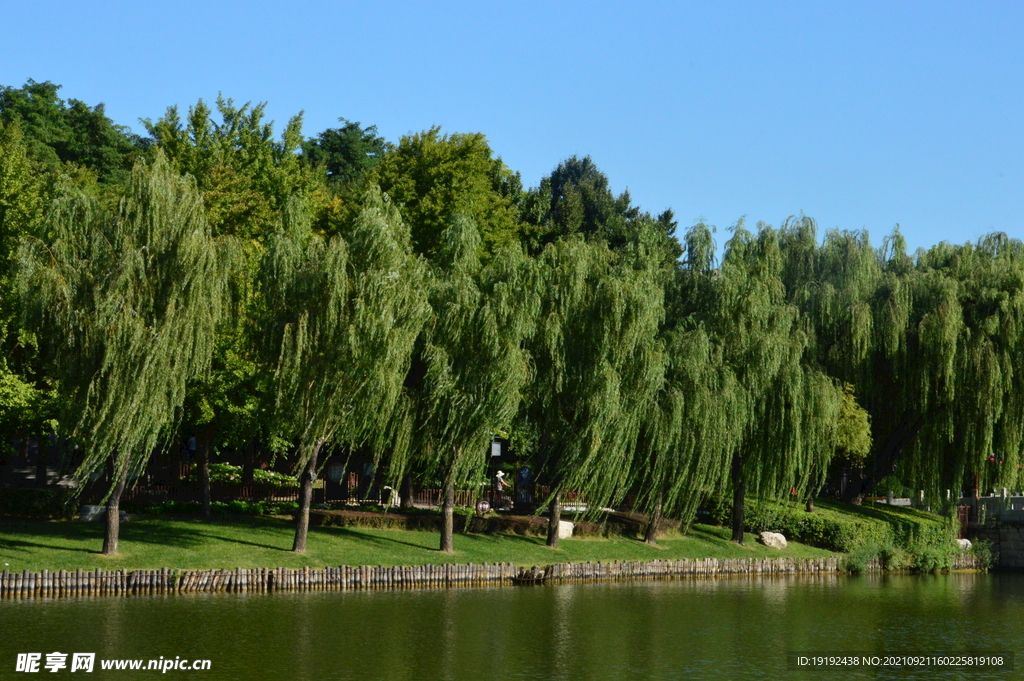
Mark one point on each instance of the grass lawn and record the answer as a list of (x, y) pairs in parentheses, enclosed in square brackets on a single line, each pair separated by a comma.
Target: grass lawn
[(250, 542)]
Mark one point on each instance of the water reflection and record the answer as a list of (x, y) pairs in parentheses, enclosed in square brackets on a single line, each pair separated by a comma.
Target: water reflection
[(726, 628)]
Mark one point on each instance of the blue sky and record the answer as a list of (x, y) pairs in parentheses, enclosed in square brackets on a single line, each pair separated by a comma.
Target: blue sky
[(859, 114)]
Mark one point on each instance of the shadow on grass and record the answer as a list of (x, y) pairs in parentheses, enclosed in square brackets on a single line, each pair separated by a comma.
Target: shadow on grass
[(28, 546), (23, 536), (362, 537)]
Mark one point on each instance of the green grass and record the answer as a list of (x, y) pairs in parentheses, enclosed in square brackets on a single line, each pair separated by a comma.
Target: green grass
[(251, 542)]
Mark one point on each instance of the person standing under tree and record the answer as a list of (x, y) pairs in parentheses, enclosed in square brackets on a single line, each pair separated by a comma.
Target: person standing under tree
[(499, 484)]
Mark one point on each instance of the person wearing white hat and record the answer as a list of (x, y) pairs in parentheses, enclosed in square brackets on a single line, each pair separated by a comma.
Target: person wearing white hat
[(499, 486)]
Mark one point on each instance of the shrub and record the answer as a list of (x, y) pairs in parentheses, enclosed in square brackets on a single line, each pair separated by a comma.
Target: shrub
[(933, 557), (225, 472), (900, 538), (982, 550), (220, 507), (47, 503)]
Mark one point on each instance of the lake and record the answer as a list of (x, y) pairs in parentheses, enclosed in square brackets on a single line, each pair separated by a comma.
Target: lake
[(726, 628)]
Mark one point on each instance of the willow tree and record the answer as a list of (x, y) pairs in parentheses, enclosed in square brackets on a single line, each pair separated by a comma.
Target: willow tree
[(475, 365), (129, 301), (962, 370), (856, 304), (344, 314), (785, 409), (685, 439), (599, 364), (932, 346)]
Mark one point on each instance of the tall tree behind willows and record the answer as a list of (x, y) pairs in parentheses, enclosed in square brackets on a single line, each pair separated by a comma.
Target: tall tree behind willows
[(599, 364), (64, 133), (474, 358), (25, 404), (245, 175), (344, 314), (129, 304), (436, 178)]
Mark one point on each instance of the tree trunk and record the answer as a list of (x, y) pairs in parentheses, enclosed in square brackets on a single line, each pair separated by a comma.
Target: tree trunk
[(854, 490), (204, 471), (888, 456), (448, 526), (114, 515), (738, 490), (556, 517), (249, 463), (305, 498), (651, 535), (407, 493)]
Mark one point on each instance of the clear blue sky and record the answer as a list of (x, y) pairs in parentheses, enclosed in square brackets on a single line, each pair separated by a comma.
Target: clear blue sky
[(859, 114)]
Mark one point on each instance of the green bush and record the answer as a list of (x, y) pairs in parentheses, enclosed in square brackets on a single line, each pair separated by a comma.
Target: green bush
[(221, 507), (933, 557), (47, 503), (857, 560), (982, 550), (894, 535), (225, 472)]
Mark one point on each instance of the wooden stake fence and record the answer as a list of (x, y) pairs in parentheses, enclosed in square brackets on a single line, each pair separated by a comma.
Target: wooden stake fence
[(64, 583)]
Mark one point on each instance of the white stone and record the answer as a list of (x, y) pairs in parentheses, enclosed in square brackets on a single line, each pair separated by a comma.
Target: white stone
[(89, 512), (773, 540), (964, 543), (564, 529)]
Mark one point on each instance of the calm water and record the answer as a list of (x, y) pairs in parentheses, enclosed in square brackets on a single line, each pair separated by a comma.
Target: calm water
[(736, 628)]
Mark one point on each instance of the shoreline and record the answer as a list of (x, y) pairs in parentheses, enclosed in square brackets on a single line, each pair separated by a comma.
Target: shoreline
[(79, 583)]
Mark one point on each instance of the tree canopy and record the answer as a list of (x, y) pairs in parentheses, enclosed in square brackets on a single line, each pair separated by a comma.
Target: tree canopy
[(434, 178)]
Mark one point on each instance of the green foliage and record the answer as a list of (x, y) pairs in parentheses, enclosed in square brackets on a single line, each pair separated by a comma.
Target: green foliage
[(346, 153), (128, 303), (225, 472), (933, 557), (21, 195), (577, 199), (27, 404), (982, 550), (434, 178), (598, 361), (842, 527), (244, 175), (474, 366), (343, 314), (892, 484), (853, 432), (931, 344), (236, 507), (59, 131)]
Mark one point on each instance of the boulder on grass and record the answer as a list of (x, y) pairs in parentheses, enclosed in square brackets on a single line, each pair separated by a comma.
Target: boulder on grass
[(773, 540), (564, 529), (965, 544)]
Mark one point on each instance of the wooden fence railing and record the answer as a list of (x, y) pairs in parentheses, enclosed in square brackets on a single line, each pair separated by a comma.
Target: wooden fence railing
[(344, 577), (189, 491), (463, 497)]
